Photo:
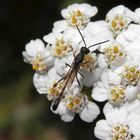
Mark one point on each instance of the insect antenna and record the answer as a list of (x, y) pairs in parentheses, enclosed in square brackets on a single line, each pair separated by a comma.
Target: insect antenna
[(81, 36), (98, 43)]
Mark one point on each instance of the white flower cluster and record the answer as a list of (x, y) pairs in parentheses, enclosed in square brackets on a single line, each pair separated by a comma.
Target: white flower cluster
[(111, 69)]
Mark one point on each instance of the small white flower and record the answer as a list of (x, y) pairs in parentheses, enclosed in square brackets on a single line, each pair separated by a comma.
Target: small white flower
[(38, 56), (79, 14), (77, 103), (131, 75), (61, 44), (119, 18), (111, 88), (119, 124), (130, 107), (115, 54), (76, 14), (42, 82)]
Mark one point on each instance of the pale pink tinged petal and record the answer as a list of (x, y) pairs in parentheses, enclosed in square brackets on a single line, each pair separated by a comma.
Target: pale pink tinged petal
[(90, 112), (60, 26), (102, 130), (68, 117), (34, 46), (131, 92), (99, 94)]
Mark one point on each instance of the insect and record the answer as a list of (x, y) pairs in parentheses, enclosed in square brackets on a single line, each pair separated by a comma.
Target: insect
[(74, 69)]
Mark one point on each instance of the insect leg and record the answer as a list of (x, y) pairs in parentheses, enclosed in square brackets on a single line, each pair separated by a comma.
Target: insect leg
[(78, 81), (78, 71), (81, 74), (59, 81), (97, 52), (68, 65)]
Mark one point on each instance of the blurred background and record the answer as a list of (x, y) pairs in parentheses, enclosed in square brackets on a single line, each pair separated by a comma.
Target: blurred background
[(24, 114)]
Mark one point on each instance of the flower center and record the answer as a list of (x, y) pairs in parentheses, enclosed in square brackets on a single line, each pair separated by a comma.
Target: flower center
[(75, 103), (78, 18), (54, 90), (89, 62), (118, 23), (114, 54), (121, 132), (117, 94), (38, 64), (131, 76), (62, 48)]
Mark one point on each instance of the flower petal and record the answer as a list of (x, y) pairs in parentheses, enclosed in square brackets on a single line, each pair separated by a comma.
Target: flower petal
[(68, 117), (99, 93), (90, 112), (60, 26), (102, 129), (34, 46), (131, 92)]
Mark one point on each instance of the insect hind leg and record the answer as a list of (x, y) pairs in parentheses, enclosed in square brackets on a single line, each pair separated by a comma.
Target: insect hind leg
[(78, 71)]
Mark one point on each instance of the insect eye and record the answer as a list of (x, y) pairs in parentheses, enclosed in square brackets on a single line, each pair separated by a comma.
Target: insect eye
[(85, 50)]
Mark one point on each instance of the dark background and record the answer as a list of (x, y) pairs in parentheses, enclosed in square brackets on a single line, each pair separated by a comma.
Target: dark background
[(24, 114)]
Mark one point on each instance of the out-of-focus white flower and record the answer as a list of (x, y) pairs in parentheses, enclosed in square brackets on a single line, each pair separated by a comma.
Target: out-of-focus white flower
[(38, 56), (119, 18), (77, 103), (76, 14), (131, 34), (119, 124)]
